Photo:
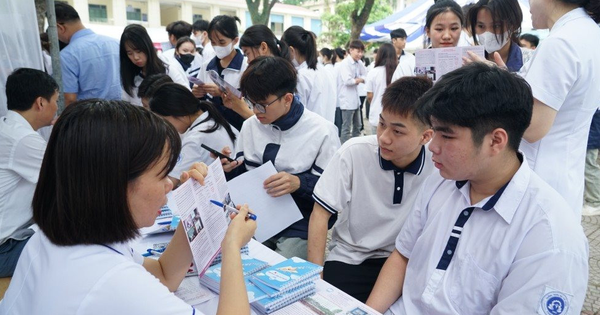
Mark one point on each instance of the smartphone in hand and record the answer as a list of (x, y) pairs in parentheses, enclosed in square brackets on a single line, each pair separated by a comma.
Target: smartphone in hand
[(217, 153)]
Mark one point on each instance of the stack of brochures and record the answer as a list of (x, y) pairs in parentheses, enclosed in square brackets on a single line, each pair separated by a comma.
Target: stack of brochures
[(244, 251), (212, 277), (285, 283)]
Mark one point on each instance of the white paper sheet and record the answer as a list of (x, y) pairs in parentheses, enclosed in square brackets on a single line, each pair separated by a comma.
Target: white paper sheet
[(273, 214), (191, 292)]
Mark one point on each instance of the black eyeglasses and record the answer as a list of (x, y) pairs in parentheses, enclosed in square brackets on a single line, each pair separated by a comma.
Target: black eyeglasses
[(262, 108)]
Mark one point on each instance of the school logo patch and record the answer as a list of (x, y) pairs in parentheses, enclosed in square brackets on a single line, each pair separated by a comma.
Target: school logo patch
[(554, 302)]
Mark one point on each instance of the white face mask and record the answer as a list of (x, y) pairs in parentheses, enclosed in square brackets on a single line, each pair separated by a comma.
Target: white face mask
[(320, 60), (199, 40), (490, 41), (223, 52), (295, 62)]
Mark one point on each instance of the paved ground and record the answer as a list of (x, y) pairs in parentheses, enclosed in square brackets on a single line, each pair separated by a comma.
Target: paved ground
[(591, 227)]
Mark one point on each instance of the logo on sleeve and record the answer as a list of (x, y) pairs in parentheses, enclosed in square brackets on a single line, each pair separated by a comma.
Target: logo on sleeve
[(554, 302)]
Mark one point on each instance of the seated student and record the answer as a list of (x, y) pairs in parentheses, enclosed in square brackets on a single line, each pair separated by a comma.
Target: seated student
[(81, 261), (487, 235), (148, 87), (372, 183), (31, 97), (298, 142), (198, 122)]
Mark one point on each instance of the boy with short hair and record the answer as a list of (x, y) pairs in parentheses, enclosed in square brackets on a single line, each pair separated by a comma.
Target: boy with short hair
[(351, 73), (406, 60), (372, 183), (487, 235)]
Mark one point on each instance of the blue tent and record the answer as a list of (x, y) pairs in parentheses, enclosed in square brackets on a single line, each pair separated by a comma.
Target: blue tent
[(412, 20)]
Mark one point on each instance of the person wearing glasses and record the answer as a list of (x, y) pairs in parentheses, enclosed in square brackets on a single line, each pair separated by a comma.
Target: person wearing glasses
[(298, 142)]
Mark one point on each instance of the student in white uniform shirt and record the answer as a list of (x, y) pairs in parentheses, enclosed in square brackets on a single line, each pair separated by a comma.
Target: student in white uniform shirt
[(329, 69), (372, 182), (313, 84), (338, 56), (197, 121), (200, 32), (91, 199), (176, 31), (377, 81), (406, 60), (31, 100), (351, 73), (229, 63), (487, 235), (139, 60), (185, 55), (298, 142)]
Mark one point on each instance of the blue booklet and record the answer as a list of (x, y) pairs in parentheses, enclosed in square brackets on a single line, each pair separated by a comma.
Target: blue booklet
[(268, 305), (212, 276), (287, 274)]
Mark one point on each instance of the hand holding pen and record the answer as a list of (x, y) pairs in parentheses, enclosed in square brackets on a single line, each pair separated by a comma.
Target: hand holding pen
[(231, 209)]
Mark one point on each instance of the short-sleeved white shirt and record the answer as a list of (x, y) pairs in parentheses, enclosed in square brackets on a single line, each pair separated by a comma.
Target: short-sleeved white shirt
[(376, 84), (564, 73), (313, 91), (193, 138), (517, 257), (86, 279), (371, 195), (21, 154), (406, 66)]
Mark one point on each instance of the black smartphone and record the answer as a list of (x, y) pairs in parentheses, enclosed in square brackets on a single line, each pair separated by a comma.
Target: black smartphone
[(217, 153)]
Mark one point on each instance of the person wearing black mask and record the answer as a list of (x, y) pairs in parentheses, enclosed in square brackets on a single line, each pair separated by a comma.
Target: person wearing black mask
[(185, 52)]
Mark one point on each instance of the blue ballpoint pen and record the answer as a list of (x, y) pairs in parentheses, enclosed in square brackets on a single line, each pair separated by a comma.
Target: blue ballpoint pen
[(229, 208)]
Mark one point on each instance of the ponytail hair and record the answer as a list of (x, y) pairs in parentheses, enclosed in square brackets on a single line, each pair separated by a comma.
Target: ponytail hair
[(338, 53), (257, 34), (173, 99), (304, 42)]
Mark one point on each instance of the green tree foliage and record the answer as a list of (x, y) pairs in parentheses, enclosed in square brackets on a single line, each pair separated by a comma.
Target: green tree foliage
[(293, 2), (340, 25)]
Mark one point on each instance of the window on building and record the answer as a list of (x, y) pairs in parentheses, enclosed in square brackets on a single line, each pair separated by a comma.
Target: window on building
[(98, 13), (134, 14), (315, 26), (299, 21), (276, 23), (196, 17), (248, 19)]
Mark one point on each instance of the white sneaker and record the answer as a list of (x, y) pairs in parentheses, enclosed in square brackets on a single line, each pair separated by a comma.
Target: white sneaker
[(590, 210)]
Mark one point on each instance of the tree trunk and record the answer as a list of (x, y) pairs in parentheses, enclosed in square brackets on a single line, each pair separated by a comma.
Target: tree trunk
[(359, 20), (40, 8), (260, 17)]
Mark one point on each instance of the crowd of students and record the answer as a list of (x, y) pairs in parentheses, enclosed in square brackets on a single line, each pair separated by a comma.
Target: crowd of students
[(466, 198)]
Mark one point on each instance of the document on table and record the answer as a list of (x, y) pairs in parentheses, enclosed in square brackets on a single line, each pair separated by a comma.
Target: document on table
[(273, 214), (436, 62), (204, 223), (191, 292)]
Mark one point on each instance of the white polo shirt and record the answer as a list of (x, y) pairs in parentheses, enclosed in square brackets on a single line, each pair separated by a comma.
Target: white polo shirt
[(86, 279), (376, 84), (406, 66), (348, 71), (571, 86), (372, 196), (313, 91), (21, 154), (518, 252), (194, 137)]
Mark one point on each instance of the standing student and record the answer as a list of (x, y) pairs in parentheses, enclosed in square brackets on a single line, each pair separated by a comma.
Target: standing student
[(89, 63), (496, 25), (139, 60), (327, 56), (591, 195), (81, 260), (529, 41), (313, 86), (336, 60), (377, 81), (185, 54), (406, 60), (229, 63), (487, 235), (350, 74), (372, 183), (297, 141), (31, 97), (200, 32), (198, 122), (443, 24)]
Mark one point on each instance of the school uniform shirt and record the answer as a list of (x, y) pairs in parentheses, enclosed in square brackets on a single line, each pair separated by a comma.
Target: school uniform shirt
[(571, 86), (232, 75), (372, 197), (331, 73), (348, 71), (173, 70), (516, 252), (194, 137), (86, 279), (208, 52), (194, 67), (313, 91), (406, 66), (301, 143), (376, 84), (21, 154)]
